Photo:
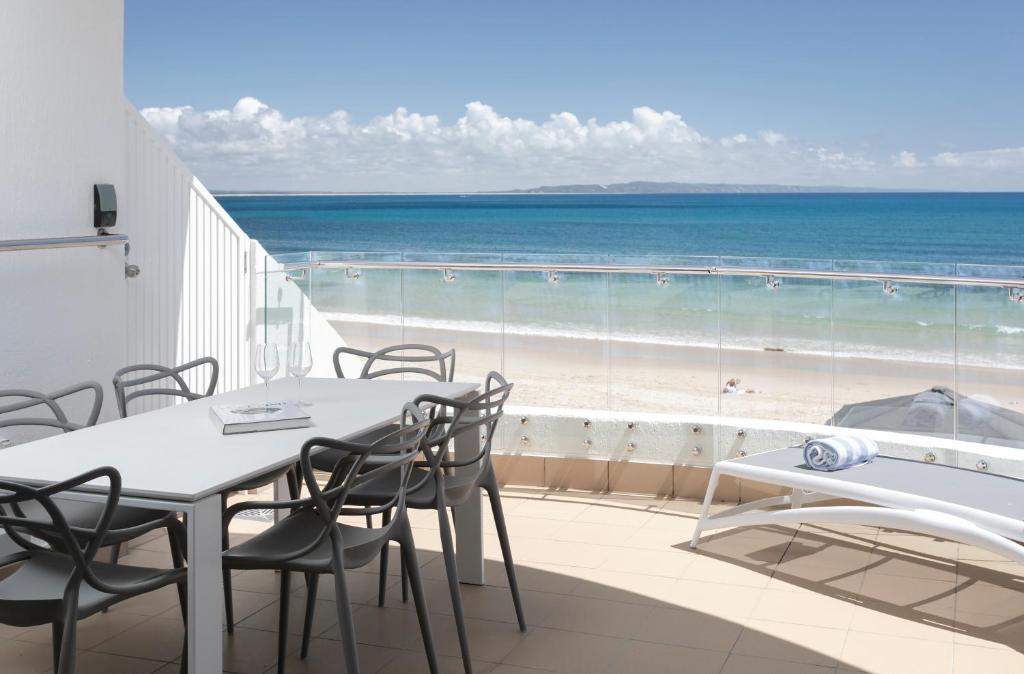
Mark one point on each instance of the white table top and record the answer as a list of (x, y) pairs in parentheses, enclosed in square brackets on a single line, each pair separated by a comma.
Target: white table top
[(178, 453)]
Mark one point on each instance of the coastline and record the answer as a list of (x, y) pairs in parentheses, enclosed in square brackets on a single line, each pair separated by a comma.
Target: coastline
[(553, 371)]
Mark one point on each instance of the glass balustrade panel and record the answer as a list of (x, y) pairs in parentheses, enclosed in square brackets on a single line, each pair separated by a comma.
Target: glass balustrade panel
[(453, 308), (894, 351), (663, 337), (990, 361), (361, 306), (556, 332), (776, 351)]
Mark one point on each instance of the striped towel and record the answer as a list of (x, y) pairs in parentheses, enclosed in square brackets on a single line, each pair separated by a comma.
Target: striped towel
[(837, 453)]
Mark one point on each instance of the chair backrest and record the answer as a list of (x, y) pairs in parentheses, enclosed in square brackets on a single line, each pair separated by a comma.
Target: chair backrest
[(477, 415), (165, 381), (401, 359), (78, 542), (403, 444), (47, 404)]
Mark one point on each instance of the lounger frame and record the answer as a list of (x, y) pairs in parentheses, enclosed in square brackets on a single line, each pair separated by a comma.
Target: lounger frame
[(888, 508)]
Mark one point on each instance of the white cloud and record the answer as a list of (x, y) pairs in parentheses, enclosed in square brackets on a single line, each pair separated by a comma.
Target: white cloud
[(254, 146), (773, 138), (906, 160), (1007, 157), (738, 139)]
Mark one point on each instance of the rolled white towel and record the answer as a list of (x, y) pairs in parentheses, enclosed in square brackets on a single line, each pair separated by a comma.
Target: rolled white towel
[(839, 452)]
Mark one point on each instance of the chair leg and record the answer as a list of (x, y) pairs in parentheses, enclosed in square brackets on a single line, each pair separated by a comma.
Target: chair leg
[(115, 553), (408, 548), (68, 637), (405, 582), (56, 637), (312, 582), (448, 549), (382, 581), (345, 623), (491, 486), (282, 620), (293, 484), (177, 558)]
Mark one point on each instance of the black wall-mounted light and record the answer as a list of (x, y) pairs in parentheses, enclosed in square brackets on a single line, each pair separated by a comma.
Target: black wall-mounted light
[(104, 201)]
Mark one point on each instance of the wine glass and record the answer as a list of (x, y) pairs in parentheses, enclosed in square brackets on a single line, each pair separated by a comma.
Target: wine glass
[(300, 362), (266, 363)]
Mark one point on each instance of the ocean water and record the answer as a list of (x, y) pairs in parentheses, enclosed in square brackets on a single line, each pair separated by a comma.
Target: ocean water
[(930, 227), (969, 234)]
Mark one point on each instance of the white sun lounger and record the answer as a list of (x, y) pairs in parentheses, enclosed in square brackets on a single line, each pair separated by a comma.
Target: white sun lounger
[(979, 509)]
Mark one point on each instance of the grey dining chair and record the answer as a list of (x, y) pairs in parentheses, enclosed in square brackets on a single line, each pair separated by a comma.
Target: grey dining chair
[(34, 409), (312, 541), (143, 381), (442, 481), (400, 359), (61, 586)]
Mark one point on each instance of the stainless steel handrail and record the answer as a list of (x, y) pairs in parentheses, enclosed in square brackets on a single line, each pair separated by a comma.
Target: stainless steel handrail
[(100, 241), (881, 277)]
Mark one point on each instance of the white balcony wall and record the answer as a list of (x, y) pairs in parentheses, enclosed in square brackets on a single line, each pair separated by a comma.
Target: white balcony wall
[(61, 131)]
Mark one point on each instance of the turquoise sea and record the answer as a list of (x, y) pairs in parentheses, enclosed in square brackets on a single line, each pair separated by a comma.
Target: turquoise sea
[(935, 227), (935, 233)]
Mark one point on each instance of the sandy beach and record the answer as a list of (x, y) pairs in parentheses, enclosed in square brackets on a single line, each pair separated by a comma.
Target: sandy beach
[(626, 376)]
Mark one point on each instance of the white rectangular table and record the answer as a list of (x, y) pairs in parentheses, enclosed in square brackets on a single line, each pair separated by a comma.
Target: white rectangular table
[(176, 459)]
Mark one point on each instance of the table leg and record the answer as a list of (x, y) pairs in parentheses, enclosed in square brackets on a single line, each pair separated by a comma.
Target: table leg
[(280, 494), (205, 589), (469, 527)]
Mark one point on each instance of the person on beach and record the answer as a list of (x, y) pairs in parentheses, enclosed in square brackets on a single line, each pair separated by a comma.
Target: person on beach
[(733, 387)]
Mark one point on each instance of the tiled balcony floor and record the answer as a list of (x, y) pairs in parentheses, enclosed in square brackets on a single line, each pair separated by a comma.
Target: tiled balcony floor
[(610, 585)]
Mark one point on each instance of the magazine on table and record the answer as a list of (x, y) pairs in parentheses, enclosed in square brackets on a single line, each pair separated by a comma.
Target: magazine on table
[(254, 417)]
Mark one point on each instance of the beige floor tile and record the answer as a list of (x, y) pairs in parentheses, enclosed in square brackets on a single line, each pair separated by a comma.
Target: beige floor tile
[(568, 652), (682, 627), (794, 643), (151, 603), (713, 570), (520, 526), (625, 586), (745, 664), (919, 595), (553, 506), (556, 552), (715, 599), (884, 654), (617, 512), (327, 657), (385, 627), (489, 641), (266, 619), (883, 622), (90, 662), (975, 660), (657, 537), (655, 657), (611, 585), (158, 638), (416, 663), (25, 657), (667, 563), (596, 616), (91, 631), (592, 532), (804, 607), (979, 629)]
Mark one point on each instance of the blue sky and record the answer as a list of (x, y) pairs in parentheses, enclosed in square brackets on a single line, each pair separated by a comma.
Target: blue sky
[(938, 81)]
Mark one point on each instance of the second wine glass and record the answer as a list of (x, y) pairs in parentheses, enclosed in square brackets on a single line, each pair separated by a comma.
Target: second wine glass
[(300, 362), (266, 363)]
